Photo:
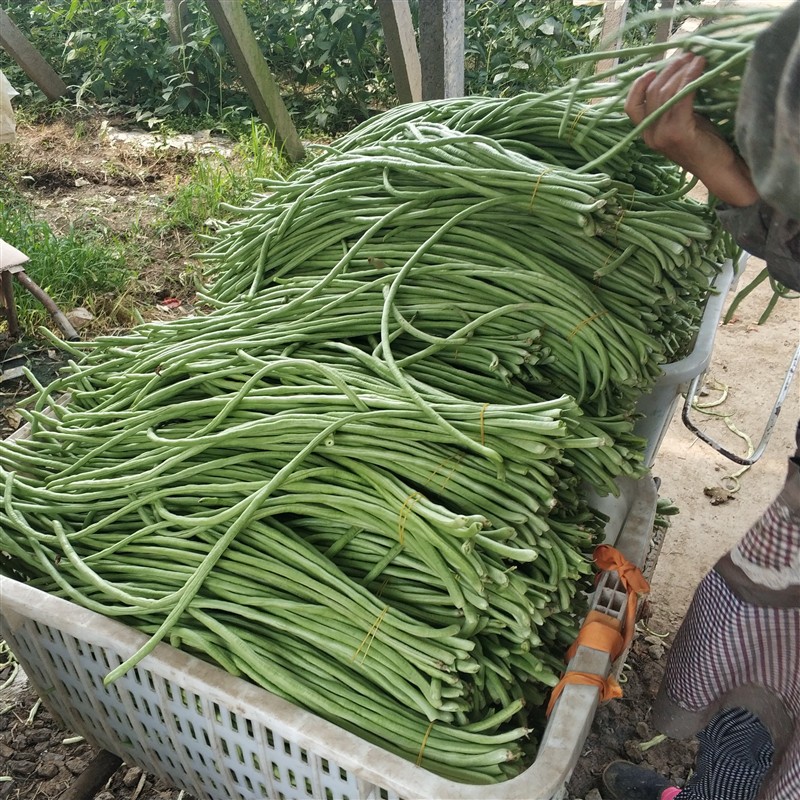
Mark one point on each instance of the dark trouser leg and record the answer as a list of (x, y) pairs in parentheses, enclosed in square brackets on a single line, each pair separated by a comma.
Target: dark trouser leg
[(735, 754)]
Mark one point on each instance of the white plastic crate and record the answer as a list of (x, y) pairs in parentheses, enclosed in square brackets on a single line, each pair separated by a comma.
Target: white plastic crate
[(221, 738), (658, 407)]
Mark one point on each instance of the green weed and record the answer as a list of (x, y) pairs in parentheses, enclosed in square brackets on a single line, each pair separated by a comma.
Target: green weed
[(218, 179), (76, 269)]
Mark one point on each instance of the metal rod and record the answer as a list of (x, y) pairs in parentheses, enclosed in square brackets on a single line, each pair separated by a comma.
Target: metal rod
[(773, 417), (49, 304)]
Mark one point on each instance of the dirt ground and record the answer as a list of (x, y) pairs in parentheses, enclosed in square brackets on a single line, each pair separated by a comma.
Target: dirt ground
[(80, 178)]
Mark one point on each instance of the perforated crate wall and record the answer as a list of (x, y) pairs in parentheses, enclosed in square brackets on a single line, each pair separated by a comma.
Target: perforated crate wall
[(180, 736)]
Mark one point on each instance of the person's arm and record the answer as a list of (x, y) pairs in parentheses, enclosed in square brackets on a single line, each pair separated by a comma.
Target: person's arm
[(686, 137), (692, 141)]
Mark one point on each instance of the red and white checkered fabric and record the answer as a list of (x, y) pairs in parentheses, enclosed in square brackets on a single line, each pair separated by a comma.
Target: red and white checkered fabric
[(770, 551), (724, 643)]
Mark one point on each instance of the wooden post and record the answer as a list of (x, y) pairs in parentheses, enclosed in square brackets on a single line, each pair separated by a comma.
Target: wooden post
[(441, 47), (614, 13), (8, 304), (664, 26), (401, 43), (13, 41), (255, 74), (178, 19)]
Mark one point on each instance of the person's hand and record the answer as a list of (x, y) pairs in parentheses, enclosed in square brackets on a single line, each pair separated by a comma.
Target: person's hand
[(681, 134), (686, 137)]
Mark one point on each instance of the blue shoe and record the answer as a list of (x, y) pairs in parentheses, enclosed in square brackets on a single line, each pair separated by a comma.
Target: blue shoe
[(626, 781)]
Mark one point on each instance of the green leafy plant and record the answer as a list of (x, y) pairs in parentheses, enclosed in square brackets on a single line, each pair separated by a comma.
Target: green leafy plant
[(513, 45), (217, 179), (329, 56), (119, 55)]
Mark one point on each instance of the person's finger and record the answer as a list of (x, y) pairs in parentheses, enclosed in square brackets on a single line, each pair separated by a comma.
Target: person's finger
[(674, 66), (636, 101), (644, 96), (666, 89)]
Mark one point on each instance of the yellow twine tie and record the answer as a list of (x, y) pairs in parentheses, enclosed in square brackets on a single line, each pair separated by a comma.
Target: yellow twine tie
[(615, 231), (576, 121), (610, 257), (536, 188), (621, 217), (585, 322), (369, 638), (405, 510), (434, 472), (424, 742), (380, 589)]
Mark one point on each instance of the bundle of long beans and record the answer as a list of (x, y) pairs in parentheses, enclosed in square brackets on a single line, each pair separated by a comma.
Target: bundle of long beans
[(725, 39), (359, 482), (305, 524), (533, 124), (419, 200), (726, 42)]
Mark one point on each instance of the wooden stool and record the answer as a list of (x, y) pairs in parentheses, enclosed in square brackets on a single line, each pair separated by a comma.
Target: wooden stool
[(11, 261)]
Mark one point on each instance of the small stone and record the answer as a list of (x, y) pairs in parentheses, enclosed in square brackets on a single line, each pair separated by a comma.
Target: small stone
[(75, 765), (105, 796), (131, 777), (21, 767), (47, 769), (79, 317), (593, 794), (40, 735), (633, 752), (5, 752), (643, 731), (656, 652)]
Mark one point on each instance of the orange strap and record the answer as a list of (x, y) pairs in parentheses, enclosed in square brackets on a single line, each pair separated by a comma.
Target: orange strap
[(609, 689), (630, 576), (601, 631)]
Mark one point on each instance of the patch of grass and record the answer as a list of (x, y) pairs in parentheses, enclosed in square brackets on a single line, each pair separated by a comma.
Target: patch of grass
[(78, 268), (117, 268), (218, 179)]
